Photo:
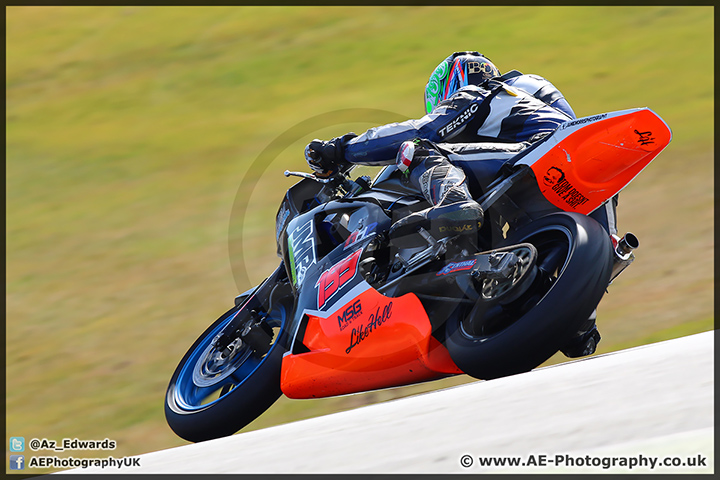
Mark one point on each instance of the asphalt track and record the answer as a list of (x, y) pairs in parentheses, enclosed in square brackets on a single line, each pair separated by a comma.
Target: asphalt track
[(633, 406)]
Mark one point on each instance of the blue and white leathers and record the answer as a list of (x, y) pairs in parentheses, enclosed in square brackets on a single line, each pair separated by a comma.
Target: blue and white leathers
[(510, 111)]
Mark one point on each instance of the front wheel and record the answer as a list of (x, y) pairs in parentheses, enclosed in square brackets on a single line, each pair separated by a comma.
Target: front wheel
[(215, 392), (572, 271)]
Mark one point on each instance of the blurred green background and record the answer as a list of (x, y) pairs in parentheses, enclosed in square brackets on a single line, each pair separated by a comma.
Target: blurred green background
[(132, 134)]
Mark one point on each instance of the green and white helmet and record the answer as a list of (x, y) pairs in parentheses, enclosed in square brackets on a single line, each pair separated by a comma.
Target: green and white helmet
[(456, 71)]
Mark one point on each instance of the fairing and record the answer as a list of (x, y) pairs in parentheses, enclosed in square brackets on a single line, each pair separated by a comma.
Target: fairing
[(587, 161), (346, 336), (369, 342)]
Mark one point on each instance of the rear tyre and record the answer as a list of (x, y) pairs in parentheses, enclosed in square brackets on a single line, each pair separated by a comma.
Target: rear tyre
[(572, 272)]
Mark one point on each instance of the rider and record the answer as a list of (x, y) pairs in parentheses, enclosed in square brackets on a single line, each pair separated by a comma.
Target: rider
[(476, 112), (467, 102)]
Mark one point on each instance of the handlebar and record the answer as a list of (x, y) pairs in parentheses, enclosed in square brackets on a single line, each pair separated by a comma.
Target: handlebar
[(336, 181), (310, 176)]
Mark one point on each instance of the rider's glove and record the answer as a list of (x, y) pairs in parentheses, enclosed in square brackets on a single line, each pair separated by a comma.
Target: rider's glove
[(324, 158)]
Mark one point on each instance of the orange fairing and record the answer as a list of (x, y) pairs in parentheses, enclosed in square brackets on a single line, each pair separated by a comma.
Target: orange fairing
[(587, 161), (371, 342)]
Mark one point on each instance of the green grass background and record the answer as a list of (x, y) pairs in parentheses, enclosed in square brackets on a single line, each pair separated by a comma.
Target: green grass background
[(132, 134)]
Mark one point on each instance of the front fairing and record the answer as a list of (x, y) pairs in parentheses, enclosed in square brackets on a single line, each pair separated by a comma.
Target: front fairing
[(321, 238), (298, 199), (345, 336)]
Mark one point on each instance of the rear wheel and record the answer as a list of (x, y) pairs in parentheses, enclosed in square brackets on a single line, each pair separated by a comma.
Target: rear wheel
[(508, 334), (215, 391)]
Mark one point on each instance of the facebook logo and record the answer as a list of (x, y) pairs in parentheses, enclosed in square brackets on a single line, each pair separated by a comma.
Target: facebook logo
[(17, 462), (17, 444)]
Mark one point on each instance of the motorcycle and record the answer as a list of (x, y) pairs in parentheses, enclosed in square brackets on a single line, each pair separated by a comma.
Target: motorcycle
[(348, 310)]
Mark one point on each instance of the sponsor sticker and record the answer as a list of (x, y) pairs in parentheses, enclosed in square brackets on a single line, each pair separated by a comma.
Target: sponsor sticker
[(334, 278), (359, 235), (375, 321), (282, 216), (457, 267), (458, 121), (302, 251), (582, 121), (645, 138), (350, 313), (555, 179)]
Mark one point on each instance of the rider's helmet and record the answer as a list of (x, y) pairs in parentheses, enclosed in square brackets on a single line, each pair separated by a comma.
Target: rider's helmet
[(456, 71)]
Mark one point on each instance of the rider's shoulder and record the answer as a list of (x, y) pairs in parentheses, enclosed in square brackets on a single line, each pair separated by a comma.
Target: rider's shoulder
[(528, 82), (472, 89), (461, 98), (471, 92)]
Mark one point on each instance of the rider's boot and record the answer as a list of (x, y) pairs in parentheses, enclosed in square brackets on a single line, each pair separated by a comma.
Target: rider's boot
[(585, 341), (454, 211)]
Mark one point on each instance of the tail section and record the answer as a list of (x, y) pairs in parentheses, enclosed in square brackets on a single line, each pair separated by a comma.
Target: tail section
[(587, 161)]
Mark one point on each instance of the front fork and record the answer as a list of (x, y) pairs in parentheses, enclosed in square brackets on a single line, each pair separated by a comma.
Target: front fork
[(259, 300)]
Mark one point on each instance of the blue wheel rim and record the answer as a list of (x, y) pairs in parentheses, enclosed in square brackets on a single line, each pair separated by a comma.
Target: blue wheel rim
[(190, 397)]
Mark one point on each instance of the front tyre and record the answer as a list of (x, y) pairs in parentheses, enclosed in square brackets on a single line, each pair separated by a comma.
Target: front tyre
[(574, 259), (216, 393)]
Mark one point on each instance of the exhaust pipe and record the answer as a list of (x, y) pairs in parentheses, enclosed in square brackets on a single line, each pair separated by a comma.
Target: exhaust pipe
[(627, 244), (624, 254)]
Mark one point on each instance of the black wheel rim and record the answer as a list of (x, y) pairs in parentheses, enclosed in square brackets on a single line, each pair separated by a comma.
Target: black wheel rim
[(553, 245)]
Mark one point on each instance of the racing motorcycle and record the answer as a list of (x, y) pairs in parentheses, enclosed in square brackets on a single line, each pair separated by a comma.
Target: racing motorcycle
[(348, 310)]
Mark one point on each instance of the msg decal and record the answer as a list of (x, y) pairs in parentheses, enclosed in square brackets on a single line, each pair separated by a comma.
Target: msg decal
[(349, 314)]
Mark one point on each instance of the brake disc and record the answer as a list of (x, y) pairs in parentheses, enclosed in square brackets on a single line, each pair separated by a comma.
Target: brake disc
[(215, 365), (508, 288)]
